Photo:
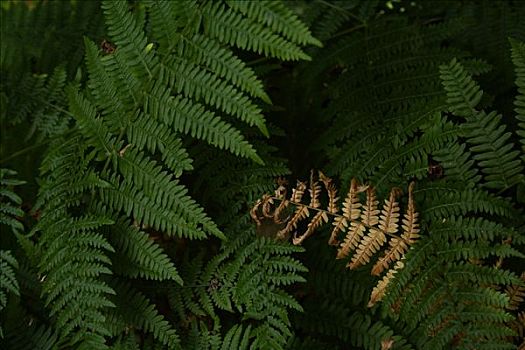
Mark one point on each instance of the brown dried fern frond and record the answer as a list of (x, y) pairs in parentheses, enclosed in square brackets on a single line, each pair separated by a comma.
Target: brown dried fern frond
[(365, 226), (354, 236), (351, 211), (388, 223), (516, 294), (379, 290), (315, 192), (399, 246), (331, 189), (300, 213)]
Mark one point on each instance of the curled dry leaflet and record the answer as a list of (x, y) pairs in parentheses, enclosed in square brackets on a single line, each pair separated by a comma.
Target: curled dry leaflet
[(360, 230)]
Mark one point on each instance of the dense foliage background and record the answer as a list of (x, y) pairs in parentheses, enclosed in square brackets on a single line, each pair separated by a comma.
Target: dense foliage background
[(137, 135)]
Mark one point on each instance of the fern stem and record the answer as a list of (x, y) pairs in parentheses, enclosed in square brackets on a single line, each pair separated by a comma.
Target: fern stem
[(22, 152), (122, 131), (347, 31), (30, 148), (342, 10)]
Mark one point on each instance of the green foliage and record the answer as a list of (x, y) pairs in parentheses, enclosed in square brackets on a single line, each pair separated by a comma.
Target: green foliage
[(10, 213), (518, 58), (488, 139), (113, 204), (144, 131)]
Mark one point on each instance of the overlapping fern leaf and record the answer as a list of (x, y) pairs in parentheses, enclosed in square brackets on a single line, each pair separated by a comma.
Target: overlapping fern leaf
[(489, 142), (518, 58), (387, 121), (393, 67), (72, 252), (247, 279), (166, 77), (10, 214), (365, 226)]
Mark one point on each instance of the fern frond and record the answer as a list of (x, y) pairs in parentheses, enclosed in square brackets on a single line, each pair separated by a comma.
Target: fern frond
[(199, 48), (370, 214), (223, 63), (449, 201), (188, 78), (357, 219), (319, 218), (495, 155), (279, 18), (457, 164), (111, 99), (331, 189), (139, 256), (146, 133), (516, 294), (9, 201), (129, 37), (370, 244), (135, 310), (231, 28), (24, 336), (353, 237), (399, 246), (301, 213), (148, 176), (380, 289), (123, 196), (190, 118), (8, 281), (237, 338), (518, 58), (248, 275), (463, 94), (351, 212), (71, 265), (89, 123)]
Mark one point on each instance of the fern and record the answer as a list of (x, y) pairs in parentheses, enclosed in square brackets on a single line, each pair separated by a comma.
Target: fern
[(248, 278), (518, 58), (494, 154), (366, 226), (10, 214), (148, 131)]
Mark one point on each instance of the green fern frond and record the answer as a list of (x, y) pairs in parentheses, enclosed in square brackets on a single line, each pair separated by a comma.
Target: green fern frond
[(231, 28), (129, 38), (237, 338), (223, 63), (9, 201), (463, 94), (193, 119), (279, 18), (490, 143), (8, 281), (495, 155), (31, 337), (457, 164), (190, 79), (136, 311), (72, 264), (147, 177), (89, 123), (73, 254), (450, 201), (145, 133), (123, 196), (200, 49), (139, 256), (518, 58), (111, 99)]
